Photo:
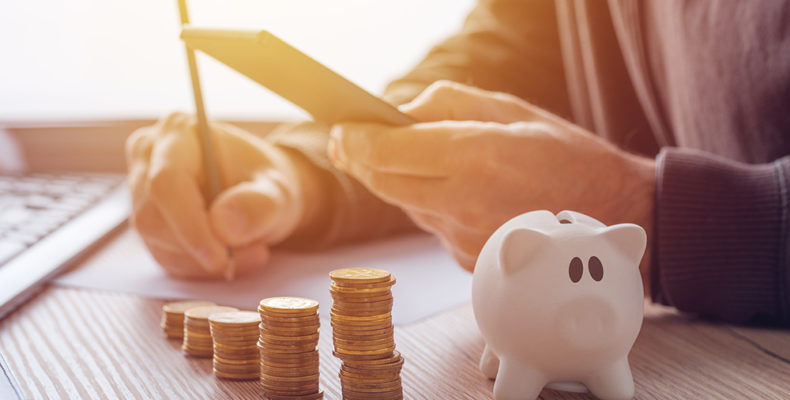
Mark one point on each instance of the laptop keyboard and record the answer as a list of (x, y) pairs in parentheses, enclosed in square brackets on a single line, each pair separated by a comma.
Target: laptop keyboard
[(32, 206)]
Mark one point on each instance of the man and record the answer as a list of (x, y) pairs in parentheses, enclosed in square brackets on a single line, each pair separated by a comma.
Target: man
[(709, 82)]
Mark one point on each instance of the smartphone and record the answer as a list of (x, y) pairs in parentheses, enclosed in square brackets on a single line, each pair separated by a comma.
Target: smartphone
[(278, 66)]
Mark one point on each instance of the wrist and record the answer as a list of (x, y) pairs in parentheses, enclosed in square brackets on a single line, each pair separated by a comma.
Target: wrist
[(642, 194)]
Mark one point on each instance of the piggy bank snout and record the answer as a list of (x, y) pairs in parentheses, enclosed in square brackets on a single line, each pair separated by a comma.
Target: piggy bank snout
[(586, 323)]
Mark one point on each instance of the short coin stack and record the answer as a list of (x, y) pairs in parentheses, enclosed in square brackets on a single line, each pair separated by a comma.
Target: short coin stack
[(287, 344), (173, 316), (363, 333), (197, 333), (235, 337)]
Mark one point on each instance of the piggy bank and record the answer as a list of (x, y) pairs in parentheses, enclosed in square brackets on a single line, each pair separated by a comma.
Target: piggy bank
[(559, 303)]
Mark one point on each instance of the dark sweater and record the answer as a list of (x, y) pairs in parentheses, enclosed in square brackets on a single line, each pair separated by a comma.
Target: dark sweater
[(717, 77)]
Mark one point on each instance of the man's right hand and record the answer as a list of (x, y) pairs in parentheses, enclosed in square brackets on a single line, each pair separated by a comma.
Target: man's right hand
[(262, 202)]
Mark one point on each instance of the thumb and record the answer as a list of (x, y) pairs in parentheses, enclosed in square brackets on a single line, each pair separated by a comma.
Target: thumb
[(447, 100), (257, 210)]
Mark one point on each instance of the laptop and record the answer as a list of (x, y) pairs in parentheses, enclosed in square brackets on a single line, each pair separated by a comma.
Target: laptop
[(47, 221)]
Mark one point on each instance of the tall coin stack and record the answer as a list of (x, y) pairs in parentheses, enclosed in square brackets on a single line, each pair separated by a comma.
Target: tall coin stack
[(173, 316), (287, 344), (197, 333), (363, 334), (235, 335)]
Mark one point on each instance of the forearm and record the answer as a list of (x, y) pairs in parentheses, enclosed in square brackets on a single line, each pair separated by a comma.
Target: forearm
[(720, 244)]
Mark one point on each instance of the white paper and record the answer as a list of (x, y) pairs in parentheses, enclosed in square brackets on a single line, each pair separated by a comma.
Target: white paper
[(428, 279)]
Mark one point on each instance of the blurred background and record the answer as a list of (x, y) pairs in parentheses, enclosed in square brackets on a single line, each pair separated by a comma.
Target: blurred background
[(111, 59)]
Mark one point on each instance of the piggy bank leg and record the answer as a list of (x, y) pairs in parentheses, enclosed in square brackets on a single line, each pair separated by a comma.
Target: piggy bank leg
[(489, 363), (517, 381), (613, 382)]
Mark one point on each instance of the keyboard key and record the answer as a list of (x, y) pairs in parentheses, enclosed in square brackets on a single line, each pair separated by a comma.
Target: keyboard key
[(25, 238), (9, 248), (15, 215), (69, 205), (58, 189), (93, 188), (39, 201), (37, 230)]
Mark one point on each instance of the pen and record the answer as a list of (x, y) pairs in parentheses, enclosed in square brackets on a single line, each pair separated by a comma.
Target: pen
[(207, 149)]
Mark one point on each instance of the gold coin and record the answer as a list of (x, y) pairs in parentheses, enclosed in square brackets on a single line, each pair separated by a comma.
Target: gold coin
[(240, 377), (202, 313), (369, 292), (360, 275), (366, 284), (354, 298), (365, 385), (365, 351), (314, 396), (288, 388), (372, 393), (236, 318), (179, 307), (375, 364), (360, 344), (294, 371), (289, 305)]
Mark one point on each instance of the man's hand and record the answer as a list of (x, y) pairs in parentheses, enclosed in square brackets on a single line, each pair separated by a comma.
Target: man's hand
[(481, 158), (262, 204)]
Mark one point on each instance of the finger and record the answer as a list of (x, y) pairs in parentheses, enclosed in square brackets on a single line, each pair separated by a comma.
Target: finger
[(152, 227), (179, 264), (138, 154), (447, 100), (426, 149), (465, 243), (173, 187), (138, 145), (251, 257), (422, 193), (164, 245), (256, 210)]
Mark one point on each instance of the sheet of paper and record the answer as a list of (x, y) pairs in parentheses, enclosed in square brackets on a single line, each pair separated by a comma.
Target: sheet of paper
[(428, 279)]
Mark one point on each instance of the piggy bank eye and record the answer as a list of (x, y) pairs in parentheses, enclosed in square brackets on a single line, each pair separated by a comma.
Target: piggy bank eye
[(596, 268), (576, 269)]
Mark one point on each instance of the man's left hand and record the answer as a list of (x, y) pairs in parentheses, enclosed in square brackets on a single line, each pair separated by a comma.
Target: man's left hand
[(479, 158)]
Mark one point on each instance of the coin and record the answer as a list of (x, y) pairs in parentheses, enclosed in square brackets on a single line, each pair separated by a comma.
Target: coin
[(197, 332), (354, 275), (362, 333), (289, 305), (288, 337), (173, 316), (202, 313), (236, 318), (235, 336)]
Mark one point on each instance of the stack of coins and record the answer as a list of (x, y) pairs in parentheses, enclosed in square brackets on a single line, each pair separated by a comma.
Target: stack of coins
[(363, 334), (197, 333), (235, 337), (173, 316), (288, 340)]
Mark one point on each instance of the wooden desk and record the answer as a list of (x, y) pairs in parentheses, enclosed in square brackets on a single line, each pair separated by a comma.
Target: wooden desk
[(90, 344), (69, 343)]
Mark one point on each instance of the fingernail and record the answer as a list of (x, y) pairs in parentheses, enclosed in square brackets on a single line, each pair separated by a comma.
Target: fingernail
[(336, 153), (333, 153), (210, 260)]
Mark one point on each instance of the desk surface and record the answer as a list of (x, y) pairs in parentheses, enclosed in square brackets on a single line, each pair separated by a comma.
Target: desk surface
[(91, 344)]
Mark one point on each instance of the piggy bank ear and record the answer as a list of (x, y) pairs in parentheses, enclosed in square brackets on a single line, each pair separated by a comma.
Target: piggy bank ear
[(629, 239), (519, 247)]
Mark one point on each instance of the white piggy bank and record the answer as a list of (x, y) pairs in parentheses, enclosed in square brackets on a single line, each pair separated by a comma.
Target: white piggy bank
[(559, 301)]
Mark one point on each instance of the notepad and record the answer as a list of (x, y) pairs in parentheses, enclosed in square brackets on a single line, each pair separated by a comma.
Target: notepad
[(429, 281)]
